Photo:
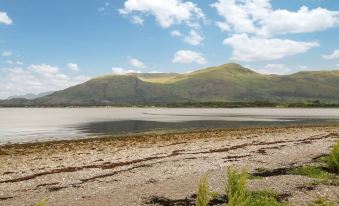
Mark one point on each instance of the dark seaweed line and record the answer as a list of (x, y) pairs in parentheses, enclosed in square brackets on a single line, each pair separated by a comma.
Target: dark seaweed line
[(174, 153)]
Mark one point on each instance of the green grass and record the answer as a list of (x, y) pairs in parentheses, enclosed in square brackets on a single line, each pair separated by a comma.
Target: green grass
[(332, 160), (238, 194), (321, 202), (310, 171), (203, 196), (236, 190), (264, 198)]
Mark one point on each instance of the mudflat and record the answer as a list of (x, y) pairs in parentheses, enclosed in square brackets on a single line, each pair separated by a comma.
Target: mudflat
[(163, 169)]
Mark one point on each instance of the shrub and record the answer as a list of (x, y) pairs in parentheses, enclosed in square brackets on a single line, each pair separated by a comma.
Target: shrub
[(236, 190), (333, 159), (203, 196)]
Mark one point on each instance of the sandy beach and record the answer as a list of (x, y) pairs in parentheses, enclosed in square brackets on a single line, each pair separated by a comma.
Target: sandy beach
[(162, 169)]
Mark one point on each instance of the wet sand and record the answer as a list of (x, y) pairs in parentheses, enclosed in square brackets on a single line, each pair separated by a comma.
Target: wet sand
[(153, 168)]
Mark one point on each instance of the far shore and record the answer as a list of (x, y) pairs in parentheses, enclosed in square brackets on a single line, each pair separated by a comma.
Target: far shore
[(254, 104)]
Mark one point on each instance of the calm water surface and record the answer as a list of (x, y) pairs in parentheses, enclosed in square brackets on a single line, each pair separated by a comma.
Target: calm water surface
[(40, 124)]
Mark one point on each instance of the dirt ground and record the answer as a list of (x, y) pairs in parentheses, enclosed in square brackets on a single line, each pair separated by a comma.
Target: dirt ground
[(162, 169)]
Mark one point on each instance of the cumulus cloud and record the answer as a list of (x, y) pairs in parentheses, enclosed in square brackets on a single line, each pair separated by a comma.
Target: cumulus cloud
[(176, 33), (137, 63), (35, 79), (247, 48), (194, 38), (280, 69), (5, 19), (258, 17), (166, 12), (73, 67), (223, 26), (44, 69), (253, 22), (334, 55), (6, 53), (137, 20), (188, 56), (122, 71)]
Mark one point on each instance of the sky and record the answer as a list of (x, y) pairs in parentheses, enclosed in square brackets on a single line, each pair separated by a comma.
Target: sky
[(48, 45)]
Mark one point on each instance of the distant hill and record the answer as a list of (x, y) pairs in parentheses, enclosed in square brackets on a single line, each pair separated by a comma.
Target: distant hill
[(29, 96), (225, 83)]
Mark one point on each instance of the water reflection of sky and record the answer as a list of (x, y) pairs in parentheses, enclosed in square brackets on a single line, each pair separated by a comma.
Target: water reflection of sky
[(34, 124)]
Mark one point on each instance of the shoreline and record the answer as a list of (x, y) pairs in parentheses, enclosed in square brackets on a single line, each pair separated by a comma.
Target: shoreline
[(151, 134), (133, 170)]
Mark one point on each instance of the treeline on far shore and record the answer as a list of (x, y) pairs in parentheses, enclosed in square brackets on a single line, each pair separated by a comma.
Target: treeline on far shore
[(310, 104)]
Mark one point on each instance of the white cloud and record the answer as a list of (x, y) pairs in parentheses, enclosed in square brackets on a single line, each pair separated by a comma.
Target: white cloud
[(137, 63), (166, 12), (19, 63), (280, 69), (5, 19), (14, 62), (334, 55), (137, 20), (303, 67), (122, 71), (247, 48), (176, 33), (223, 26), (73, 67), (258, 17), (104, 7), (188, 56), (35, 79), (194, 38), (337, 65), (44, 69), (6, 53)]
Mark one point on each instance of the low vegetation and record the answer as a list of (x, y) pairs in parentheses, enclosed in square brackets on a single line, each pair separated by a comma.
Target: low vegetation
[(237, 192), (332, 160), (321, 202), (203, 196), (310, 171), (42, 202)]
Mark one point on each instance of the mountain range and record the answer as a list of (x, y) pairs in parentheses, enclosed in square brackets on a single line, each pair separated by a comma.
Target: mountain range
[(225, 83), (29, 96)]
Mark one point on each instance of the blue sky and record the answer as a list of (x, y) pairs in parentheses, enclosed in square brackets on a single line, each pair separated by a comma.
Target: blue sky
[(50, 45)]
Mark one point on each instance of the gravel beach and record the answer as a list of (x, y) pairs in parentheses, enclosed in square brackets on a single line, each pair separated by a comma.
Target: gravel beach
[(161, 168)]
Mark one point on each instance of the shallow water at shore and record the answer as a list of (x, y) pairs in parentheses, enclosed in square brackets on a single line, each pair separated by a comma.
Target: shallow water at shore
[(41, 124)]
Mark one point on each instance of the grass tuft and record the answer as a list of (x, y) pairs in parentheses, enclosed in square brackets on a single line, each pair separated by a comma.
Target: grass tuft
[(321, 202), (236, 190), (203, 196), (310, 171), (42, 202), (333, 159), (264, 198)]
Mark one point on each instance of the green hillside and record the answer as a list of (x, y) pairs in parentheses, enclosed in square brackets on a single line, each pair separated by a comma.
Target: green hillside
[(225, 83)]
